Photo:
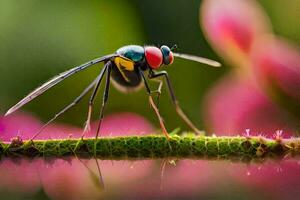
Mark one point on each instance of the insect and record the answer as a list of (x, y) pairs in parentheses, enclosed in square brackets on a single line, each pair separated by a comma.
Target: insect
[(128, 69)]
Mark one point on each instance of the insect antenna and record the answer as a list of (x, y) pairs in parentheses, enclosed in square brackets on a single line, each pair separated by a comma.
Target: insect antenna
[(174, 47), (198, 59)]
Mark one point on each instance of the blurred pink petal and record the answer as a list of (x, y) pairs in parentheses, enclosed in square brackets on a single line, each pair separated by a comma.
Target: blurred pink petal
[(19, 176), (119, 172), (72, 180), (277, 63), (232, 26), (2, 128), (19, 124), (186, 178), (67, 180), (62, 179), (277, 178), (60, 131), (236, 104), (25, 125), (120, 124)]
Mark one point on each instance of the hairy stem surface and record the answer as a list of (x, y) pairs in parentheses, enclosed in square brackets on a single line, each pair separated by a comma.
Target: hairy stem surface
[(157, 146)]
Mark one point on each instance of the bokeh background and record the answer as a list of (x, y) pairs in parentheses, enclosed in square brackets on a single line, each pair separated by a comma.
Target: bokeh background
[(40, 39)]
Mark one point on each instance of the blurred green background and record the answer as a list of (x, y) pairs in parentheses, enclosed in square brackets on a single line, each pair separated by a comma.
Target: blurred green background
[(39, 39)]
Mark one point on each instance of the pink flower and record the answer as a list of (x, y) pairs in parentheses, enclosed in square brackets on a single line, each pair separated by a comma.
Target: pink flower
[(257, 96), (26, 126), (121, 124), (232, 26), (277, 66), (20, 124), (235, 104), (238, 30)]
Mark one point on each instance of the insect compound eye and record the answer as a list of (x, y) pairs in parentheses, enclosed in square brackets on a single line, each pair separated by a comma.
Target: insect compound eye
[(154, 57), (167, 55)]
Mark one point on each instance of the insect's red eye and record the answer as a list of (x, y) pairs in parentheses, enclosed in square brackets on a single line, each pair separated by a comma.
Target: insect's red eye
[(154, 57)]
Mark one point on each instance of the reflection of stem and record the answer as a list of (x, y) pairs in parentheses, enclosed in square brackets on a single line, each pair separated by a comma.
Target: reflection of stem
[(157, 146)]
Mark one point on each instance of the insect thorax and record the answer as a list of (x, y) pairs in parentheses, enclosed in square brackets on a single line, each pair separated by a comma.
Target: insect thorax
[(133, 52)]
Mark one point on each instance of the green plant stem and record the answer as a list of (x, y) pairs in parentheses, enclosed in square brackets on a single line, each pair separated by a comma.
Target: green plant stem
[(156, 146)]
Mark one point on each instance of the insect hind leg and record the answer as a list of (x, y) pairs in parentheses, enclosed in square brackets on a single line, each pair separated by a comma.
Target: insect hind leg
[(105, 97), (65, 109), (87, 127), (154, 107)]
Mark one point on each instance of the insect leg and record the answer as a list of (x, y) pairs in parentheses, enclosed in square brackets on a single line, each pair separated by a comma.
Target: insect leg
[(55, 80), (152, 104), (100, 181), (162, 171), (105, 96), (77, 100), (158, 91), (87, 127), (178, 109)]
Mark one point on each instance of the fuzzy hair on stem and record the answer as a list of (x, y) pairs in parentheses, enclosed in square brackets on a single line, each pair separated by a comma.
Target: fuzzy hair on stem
[(188, 146)]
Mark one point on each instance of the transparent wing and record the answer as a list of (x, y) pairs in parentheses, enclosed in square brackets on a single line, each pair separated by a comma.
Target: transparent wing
[(198, 59), (55, 80)]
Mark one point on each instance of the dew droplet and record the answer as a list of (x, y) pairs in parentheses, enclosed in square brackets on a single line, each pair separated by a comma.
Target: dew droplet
[(259, 168), (131, 166), (248, 173)]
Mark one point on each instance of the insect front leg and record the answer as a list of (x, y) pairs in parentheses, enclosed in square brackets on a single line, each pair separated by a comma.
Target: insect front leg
[(152, 104), (178, 109), (158, 91)]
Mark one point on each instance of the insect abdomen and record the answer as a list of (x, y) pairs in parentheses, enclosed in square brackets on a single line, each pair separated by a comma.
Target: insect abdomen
[(126, 81)]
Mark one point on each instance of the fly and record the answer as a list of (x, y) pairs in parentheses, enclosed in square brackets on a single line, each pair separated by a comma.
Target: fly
[(125, 69)]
